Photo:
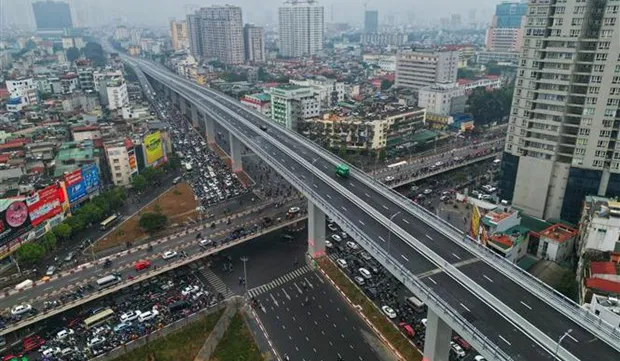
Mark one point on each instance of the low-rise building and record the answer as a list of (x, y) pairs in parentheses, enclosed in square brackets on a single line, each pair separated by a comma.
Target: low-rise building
[(384, 62), (24, 89), (396, 39), (261, 102), (114, 94), (291, 104), (121, 159), (329, 91), (442, 99), (607, 308), (557, 243)]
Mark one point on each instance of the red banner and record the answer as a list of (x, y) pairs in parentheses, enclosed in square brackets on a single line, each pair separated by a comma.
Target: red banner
[(73, 177), (45, 204)]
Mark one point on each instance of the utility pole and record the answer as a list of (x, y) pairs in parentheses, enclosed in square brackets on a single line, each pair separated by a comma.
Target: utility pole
[(16, 264), (245, 275)]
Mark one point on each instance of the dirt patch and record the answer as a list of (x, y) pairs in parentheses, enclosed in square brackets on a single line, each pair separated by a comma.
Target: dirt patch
[(178, 203)]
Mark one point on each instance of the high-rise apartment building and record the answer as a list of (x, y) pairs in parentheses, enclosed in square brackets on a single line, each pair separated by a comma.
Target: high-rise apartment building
[(301, 28), (52, 15), (422, 67), (178, 34), (371, 21), (506, 30), (216, 32), (254, 37), (562, 141)]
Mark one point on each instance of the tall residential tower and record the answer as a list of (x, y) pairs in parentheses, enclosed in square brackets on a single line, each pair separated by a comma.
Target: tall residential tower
[(301, 28), (216, 32)]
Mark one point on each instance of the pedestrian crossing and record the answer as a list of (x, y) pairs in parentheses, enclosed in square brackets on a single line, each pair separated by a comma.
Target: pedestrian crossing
[(216, 282), (279, 281)]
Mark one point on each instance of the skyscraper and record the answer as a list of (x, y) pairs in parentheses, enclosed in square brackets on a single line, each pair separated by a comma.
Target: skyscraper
[(562, 140), (216, 32), (178, 34), (52, 15), (506, 30), (254, 37), (301, 28), (371, 21)]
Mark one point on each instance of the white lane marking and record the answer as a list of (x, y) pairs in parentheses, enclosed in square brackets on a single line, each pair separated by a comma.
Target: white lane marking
[(503, 339), (405, 258), (48, 288), (298, 289), (351, 184), (485, 276), (286, 294), (384, 207), (315, 185), (308, 282), (362, 223), (366, 194), (328, 196), (455, 256), (282, 159), (406, 221), (381, 238), (343, 208), (526, 305), (324, 166), (432, 280), (274, 300), (465, 307), (303, 176), (429, 237)]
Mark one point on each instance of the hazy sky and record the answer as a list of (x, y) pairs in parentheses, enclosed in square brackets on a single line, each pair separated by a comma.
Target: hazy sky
[(158, 11)]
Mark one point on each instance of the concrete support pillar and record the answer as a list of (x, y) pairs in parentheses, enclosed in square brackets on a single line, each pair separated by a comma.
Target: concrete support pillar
[(194, 116), (316, 231), (235, 154), (437, 339), (210, 125), (183, 105)]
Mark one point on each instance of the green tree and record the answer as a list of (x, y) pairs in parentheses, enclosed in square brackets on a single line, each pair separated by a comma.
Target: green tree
[(152, 221), (94, 52), (464, 73), (567, 285), (30, 253), (73, 54), (63, 230), (386, 84), (91, 213), (49, 241), (488, 107), (139, 183)]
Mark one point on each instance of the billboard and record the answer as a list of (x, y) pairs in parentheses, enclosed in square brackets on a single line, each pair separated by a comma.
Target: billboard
[(76, 189), (45, 204), (153, 147), (14, 220), (474, 230), (90, 175)]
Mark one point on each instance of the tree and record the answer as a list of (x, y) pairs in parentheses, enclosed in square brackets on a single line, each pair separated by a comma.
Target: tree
[(386, 84), (30, 253), (90, 213), (488, 107), (94, 52), (63, 230), (49, 241), (73, 54), (139, 183), (567, 285), (467, 74), (152, 221)]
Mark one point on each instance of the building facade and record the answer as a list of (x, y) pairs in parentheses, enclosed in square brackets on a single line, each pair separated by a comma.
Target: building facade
[(419, 68), (52, 15), (562, 140), (290, 104), (396, 39), (114, 94), (216, 32), (506, 30), (25, 89), (329, 92), (178, 34), (254, 38), (261, 102), (301, 28), (193, 35), (442, 99), (121, 159), (371, 21)]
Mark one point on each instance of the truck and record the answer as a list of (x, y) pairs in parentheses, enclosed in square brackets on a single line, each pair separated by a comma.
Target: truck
[(24, 284), (342, 170)]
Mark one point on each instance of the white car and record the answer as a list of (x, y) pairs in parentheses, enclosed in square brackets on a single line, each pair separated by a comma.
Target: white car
[(62, 334), (190, 289), (336, 238), (129, 316), (328, 244), (424, 321), (49, 352), (342, 263), (205, 242), (344, 235), (21, 309), (457, 349), (332, 227), (294, 210), (352, 245), (479, 358), (389, 312), (95, 341), (169, 254), (147, 316), (428, 191), (359, 280), (366, 273), (389, 178)]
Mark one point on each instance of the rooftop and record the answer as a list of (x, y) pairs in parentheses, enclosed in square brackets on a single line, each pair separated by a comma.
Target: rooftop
[(559, 233), (493, 217)]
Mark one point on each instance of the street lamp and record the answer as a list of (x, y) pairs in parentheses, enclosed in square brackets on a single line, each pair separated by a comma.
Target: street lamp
[(557, 348), (390, 231), (311, 170), (245, 275)]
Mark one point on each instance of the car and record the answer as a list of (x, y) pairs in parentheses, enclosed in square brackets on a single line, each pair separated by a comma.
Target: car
[(438, 164), (344, 235), (205, 242), (485, 197), (142, 264), (148, 315), (190, 289), (169, 254), (69, 257), (352, 245), (359, 280), (263, 127), (50, 271), (21, 309), (95, 341), (68, 351), (122, 326), (342, 263), (129, 316), (328, 244), (62, 334), (407, 329), (427, 191), (366, 273), (365, 256), (294, 210), (461, 342), (332, 227), (444, 198), (389, 312), (51, 351), (457, 349), (336, 238), (424, 321), (389, 178), (479, 358)]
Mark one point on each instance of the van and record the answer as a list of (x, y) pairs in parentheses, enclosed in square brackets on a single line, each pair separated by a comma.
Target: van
[(416, 304), (23, 285), (176, 180)]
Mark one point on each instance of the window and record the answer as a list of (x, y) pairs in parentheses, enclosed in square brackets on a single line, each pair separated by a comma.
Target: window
[(118, 175), (605, 134), (595, 79), (586, 121), (580, 151), (582, 141), (576, 21), (588, 111), (607, 33), (597, 163), (598, 68), (613, 102), (593, 90), (609, 21), (610, 112), (601, 57), (591, 100), (115, 161), (584, 131), (575, 33), (607, 123)]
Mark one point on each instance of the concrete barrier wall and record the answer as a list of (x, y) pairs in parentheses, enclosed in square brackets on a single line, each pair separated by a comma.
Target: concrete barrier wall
[(220, 328)]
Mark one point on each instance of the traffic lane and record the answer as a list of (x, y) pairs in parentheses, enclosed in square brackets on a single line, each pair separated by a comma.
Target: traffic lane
[(533, 308), (127, 260), (321, 330), (492, 324)]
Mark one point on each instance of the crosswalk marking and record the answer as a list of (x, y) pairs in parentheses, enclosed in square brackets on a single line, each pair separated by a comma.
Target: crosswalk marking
[(216, 282), (279, 281)]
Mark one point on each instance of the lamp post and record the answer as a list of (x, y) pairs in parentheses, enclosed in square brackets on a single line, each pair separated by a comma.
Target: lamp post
[(390, 231), (557, 348)]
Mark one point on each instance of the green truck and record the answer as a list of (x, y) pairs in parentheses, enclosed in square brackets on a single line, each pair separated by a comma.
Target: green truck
[(342, 170)]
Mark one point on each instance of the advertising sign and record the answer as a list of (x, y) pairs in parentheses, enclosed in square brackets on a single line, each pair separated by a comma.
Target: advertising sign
[(76, 189), (153, 148), (14, 220), (474, 229), (90, 175), (45, 204)]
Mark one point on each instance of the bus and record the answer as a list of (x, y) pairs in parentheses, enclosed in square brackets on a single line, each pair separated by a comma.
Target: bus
[(394, 165), (342, 170), (98, 318), (107, 281), (416, 304), (108, 222)]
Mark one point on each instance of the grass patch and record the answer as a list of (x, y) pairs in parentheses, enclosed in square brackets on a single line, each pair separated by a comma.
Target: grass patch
[(183, 344), (179, 204), (237, 344), (385, 327)]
